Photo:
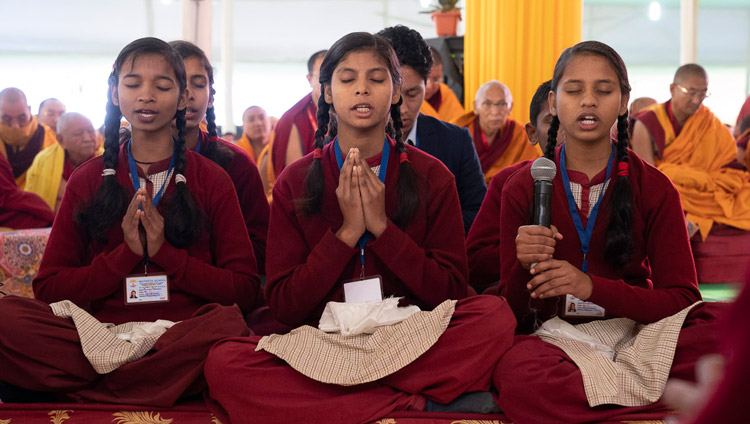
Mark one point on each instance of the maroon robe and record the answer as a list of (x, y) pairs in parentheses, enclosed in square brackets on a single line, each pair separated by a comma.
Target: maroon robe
[(303, 116), (21, 160), (20, 209)]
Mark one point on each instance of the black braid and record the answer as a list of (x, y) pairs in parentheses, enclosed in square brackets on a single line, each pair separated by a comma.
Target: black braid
[(183, 220), (619, 232), (314, 180), (554, 126), (408, 194), (108, 205), (211, 121)]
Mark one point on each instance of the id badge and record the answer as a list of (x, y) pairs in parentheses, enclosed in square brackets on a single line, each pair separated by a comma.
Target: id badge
[(369, 289), (150, 288), (575, 307)]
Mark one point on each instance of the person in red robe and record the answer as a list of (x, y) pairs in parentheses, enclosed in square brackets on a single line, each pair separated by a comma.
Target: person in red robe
[(20, 209), (439, 100), (148, 207), (500, 141), (483, 240), (415, 246), (234, 160), (295, 132), (21, 135), (635, 262)]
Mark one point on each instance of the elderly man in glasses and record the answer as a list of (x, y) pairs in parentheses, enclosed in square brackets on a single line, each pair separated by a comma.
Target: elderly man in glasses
[(694, 149), (498, 140)]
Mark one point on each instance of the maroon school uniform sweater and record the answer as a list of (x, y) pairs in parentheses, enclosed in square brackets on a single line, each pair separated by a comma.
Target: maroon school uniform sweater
[(483, 240), (219, 267), (425, 262), (252, 197), (658, 281)]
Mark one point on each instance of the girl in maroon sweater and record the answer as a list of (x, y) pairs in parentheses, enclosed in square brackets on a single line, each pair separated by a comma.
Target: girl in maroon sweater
[(234, 160), (634, 262), (333, 220), (146, 207)]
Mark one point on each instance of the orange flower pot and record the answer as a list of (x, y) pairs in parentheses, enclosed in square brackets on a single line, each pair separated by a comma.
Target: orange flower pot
[(446, 23)]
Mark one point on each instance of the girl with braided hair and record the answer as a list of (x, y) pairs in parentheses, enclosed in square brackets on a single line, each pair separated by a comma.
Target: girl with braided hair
[(234, 160), (617, 247), (360, 206), (148, 216)]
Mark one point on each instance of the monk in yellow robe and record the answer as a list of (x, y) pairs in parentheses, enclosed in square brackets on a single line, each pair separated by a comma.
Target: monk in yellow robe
[(49, 173), (499, 140), (693, 148), (439, 100), (50, 111), (256, 131), (21, 134), (266, 169)]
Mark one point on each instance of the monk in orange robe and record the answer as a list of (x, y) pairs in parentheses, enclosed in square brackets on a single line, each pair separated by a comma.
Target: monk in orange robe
[(294, 135), (21, 134), (499, 140), (256, 131), (50, 111), (693, 148), (439, 100)]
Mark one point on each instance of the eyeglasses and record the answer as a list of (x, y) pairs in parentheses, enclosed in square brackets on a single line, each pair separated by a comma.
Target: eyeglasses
[(694, 93)]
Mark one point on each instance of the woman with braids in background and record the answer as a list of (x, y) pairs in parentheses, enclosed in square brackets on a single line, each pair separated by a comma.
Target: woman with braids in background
[(617, 247), (234, 160), (360, 206), (149, 207)]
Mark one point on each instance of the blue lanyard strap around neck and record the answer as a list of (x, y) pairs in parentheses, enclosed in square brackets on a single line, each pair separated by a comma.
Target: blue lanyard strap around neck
[(584, 234), (136, 181), (381, 175)]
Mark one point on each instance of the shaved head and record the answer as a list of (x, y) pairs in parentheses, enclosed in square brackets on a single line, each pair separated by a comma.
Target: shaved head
[(640, 103), (67, 118), (690, 70), (12, 95), (482, 92)]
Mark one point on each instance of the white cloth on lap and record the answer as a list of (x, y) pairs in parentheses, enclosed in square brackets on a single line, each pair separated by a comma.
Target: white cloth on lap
[(108, 346), (351, 319)]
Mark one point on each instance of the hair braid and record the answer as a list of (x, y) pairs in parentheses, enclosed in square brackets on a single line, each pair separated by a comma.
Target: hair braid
[(110, 201), (314, 180), (554, 126), (408, 194), (619, 246), (211, 122)]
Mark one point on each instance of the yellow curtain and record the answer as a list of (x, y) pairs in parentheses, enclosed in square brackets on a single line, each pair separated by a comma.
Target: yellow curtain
[(517, 42)]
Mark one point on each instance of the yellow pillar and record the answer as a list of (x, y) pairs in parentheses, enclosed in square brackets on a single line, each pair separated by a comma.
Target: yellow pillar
[(517, 42)]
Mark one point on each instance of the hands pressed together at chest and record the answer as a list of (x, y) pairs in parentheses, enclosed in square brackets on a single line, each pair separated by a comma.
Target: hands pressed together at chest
[(150, 232), (535, 245), (361, 197)]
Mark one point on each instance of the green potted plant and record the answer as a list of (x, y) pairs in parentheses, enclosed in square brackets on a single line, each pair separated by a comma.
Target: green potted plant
[(446, 15)]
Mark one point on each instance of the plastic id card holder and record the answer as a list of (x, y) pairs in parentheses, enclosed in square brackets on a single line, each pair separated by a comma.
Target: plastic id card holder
[(575, 307), (146, 289), (369, 289)]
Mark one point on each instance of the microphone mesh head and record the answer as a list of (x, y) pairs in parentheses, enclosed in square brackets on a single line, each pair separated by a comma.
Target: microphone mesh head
[(543, 169)]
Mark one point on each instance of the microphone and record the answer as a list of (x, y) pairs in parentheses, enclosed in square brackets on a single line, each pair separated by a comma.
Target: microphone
[(543, 172)]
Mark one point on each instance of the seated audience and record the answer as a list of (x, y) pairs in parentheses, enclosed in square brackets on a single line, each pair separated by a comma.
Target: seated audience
[(49, 173), (499, 140), (446, 142), (50, 111), (21, 135)]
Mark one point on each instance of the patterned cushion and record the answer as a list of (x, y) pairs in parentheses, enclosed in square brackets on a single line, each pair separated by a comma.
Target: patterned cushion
[(20, 255)]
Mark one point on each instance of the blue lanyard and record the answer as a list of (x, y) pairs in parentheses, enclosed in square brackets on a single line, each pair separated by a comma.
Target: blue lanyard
[(584, 234), (198, 146), (136, 181), (381, 175)]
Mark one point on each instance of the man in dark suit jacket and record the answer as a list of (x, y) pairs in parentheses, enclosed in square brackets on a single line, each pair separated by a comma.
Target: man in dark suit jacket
[(450, 144)]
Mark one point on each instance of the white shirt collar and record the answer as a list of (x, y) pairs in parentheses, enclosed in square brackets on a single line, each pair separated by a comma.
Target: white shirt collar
[(413, 133)]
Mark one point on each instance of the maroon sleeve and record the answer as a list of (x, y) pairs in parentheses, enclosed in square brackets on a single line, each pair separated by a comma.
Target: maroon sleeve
[(233, 272), (483, 240), (292, 264), (673, 278), (253, 203), (435, 269), (20, 209), (66, 272)]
